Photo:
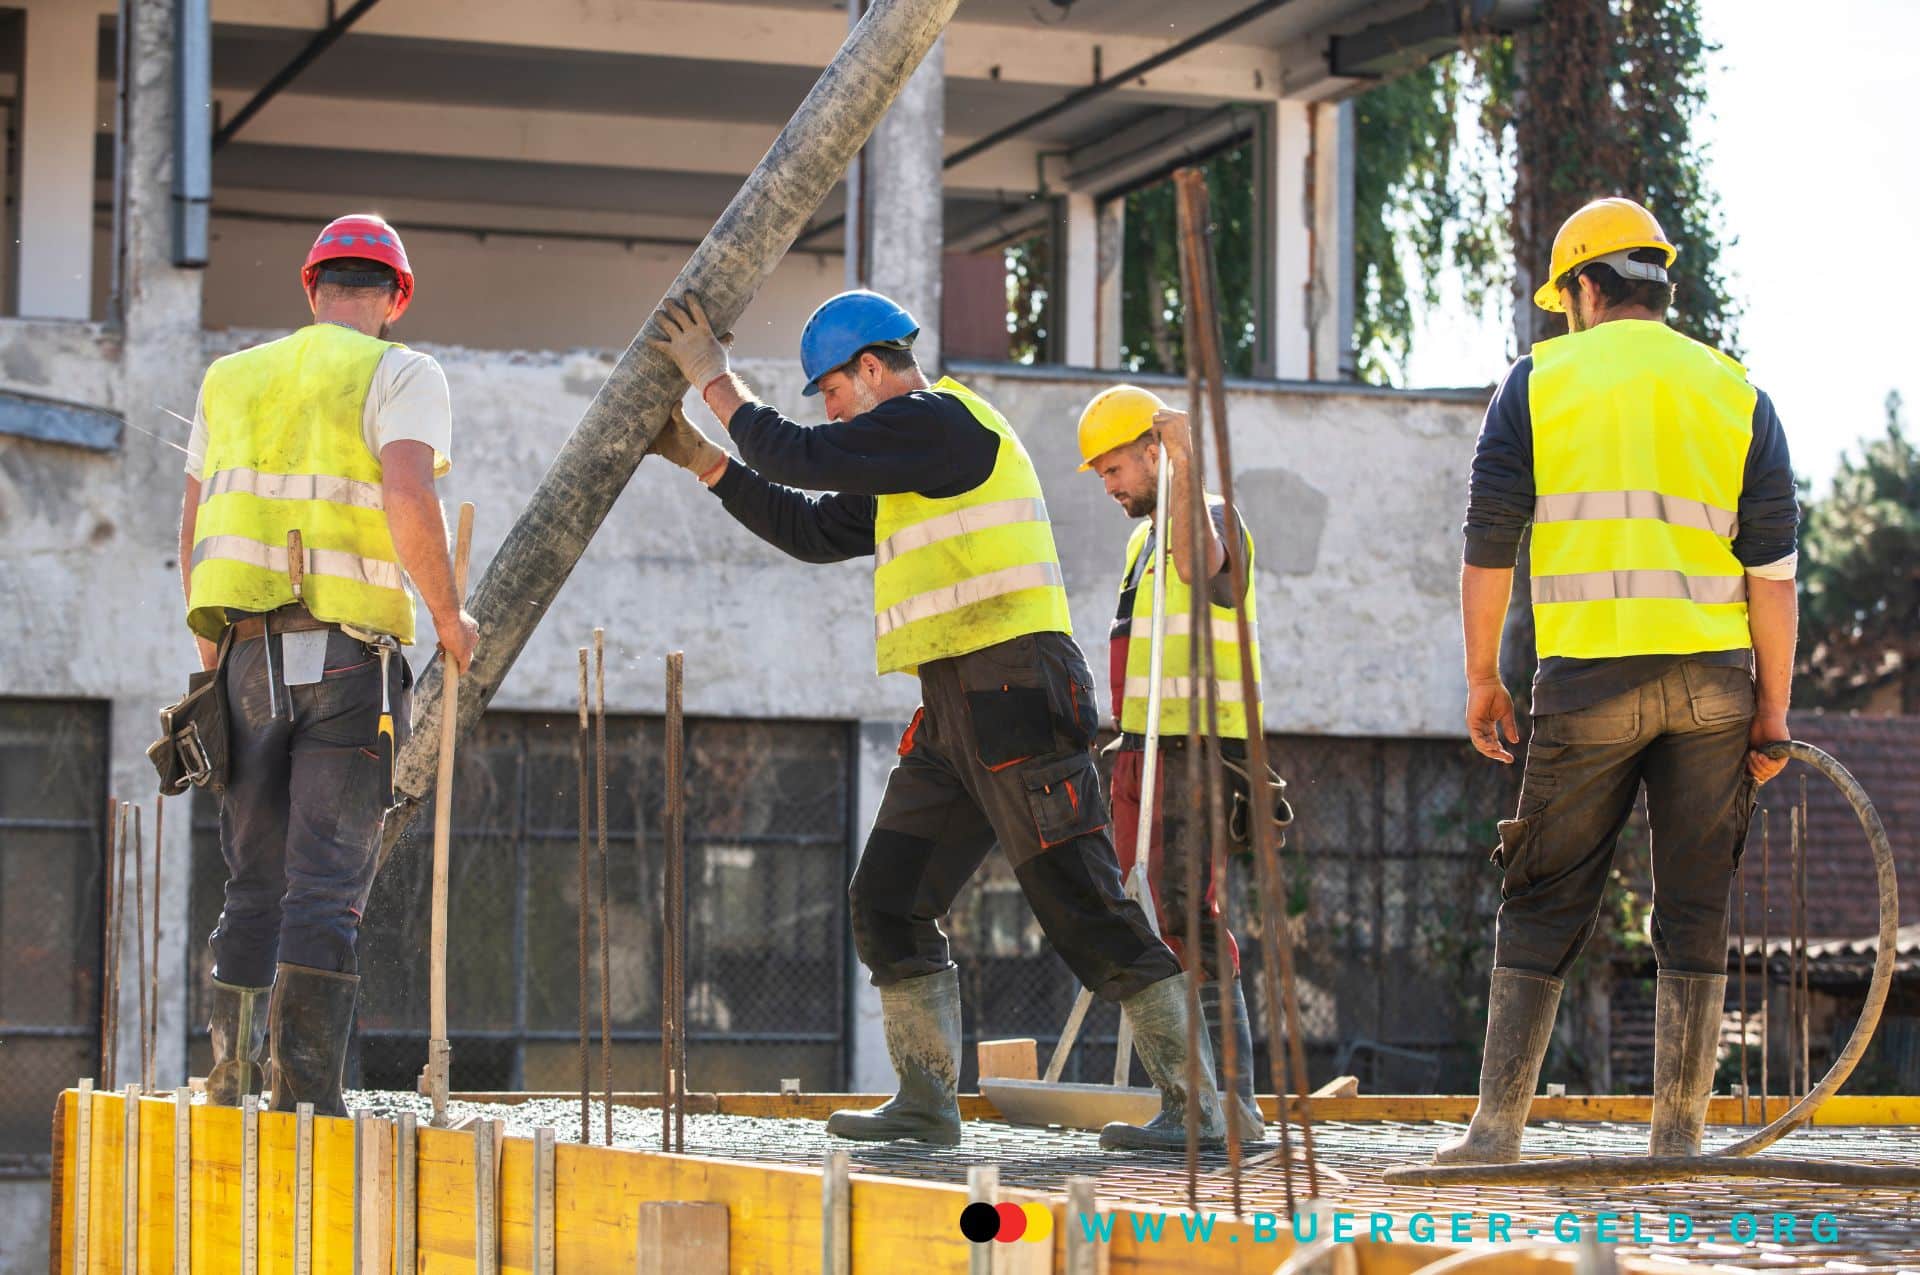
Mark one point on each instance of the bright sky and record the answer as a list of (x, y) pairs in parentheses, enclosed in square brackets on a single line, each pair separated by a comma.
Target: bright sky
[(1819, 182)]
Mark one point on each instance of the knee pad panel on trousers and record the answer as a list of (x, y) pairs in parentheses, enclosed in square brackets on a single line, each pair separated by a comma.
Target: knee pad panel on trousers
[(884, 906)]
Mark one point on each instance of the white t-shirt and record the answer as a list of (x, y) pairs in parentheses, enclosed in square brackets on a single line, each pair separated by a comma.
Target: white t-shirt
[(407, 400)]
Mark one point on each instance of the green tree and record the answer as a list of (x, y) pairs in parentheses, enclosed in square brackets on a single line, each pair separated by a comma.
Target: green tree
[(1860, 577), (1599, 97)]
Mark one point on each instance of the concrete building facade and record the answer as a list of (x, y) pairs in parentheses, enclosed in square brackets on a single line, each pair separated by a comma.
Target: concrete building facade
[(550, 167)]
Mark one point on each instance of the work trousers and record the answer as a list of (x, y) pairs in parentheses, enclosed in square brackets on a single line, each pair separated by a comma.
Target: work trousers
[(999, 752), (300, 819), (1175, 837), (1684, 736)]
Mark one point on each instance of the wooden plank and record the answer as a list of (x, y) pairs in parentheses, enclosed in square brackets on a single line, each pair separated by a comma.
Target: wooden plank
[(1338, 1087), (1015, 1059), (374, 1196), (217, 1191), (682, 1237), (156, 1158), (104, 1197)]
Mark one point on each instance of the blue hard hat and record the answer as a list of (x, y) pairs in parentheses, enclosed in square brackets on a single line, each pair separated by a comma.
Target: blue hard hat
[(847, 324)]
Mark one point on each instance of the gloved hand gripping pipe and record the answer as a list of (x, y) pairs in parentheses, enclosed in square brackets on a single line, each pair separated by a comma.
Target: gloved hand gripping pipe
[(1737, 1159)]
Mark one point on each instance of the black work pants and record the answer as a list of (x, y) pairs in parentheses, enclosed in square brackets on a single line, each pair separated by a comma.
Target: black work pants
[(998, 753), (300, 819), (1684, 736)]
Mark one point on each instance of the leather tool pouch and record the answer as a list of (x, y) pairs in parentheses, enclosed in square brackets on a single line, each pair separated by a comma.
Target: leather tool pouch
[(192, 748), (1239, 825)]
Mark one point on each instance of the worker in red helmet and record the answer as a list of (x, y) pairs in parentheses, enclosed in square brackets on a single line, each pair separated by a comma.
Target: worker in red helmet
[(309, 511)]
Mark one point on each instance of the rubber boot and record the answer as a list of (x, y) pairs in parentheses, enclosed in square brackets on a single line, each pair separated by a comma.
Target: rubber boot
[(1159, 1018), (1244, 1110), (1687, 1009), (1520, 1009), (239, 1015), (311, 1016), (922, 1021)]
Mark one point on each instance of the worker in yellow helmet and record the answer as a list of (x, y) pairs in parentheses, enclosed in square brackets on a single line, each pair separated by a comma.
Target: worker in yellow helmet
[(935, 485), (1126, 435), (1656, 481), (337, 434)]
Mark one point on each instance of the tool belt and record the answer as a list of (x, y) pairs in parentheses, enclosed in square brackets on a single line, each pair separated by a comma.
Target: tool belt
[(293, 619), (192, 748)]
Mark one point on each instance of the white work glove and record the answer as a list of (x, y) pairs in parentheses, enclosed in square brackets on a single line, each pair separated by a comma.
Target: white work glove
[(683, 443), (690, 343)]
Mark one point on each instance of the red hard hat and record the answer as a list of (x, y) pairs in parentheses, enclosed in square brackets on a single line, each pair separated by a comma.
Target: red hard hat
[(361, 235)]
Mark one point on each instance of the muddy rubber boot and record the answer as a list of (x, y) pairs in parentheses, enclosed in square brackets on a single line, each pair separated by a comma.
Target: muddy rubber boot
[(311, 1015), (1243, 1108), (239, 1015), (922, 1021), (1687, 1010), (1520, 1009), (1159, 1017)]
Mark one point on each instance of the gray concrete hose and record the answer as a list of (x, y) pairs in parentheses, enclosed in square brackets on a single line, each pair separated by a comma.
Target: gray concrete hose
[(1738, 1158)]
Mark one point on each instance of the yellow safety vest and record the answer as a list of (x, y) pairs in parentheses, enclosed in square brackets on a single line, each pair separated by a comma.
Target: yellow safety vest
[(964, 572), (1179, 680), (285, 452), (1640, 439)]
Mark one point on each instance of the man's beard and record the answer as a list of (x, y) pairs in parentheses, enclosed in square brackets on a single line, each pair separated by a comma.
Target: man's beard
[(1139, 506)]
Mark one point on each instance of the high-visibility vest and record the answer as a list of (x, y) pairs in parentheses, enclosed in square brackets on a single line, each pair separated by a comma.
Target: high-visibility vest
[(1640, 439), (1179, 680), (285, 452), (961, 573)]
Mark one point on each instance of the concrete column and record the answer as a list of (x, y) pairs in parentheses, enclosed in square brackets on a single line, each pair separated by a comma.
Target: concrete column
[(901, 203), (58, 106), (1081, 304), (1331, 321), (1112, 234), (1292, 265), (869, 1070), (161, 366)]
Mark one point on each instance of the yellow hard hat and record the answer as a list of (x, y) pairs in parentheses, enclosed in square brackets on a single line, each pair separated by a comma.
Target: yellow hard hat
[(1115, 417), (1602, 228)]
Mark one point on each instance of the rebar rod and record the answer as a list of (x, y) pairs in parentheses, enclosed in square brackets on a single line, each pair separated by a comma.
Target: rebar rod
[(1766, 963), (106, 944), (675, 1041), (600, 835), (153, 968), (1266, 853), (138, 851), (1740, 888), (580, 744), (1806, 972)]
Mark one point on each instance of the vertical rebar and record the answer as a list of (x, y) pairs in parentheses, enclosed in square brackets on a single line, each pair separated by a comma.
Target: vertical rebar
[(1292, 1076), (1805, 964), (153, 969), (600, 832), (106, 944), (1793, 953), (1766, 965), (119, 940), (1740, 888), (673, 1008), (139, 852), (586, 905)]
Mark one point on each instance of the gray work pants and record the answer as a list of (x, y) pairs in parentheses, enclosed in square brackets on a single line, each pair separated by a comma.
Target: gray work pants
[(999, 753), (1684, 736), (300, 820)]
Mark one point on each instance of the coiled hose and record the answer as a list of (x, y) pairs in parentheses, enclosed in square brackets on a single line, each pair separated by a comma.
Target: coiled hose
[(1737, 1159)]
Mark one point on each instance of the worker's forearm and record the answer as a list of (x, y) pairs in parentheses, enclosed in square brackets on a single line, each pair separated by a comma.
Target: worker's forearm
[(1484, 594), (1773, 614), (419, 530), (1181, 517), (189, 515), (725, 395)]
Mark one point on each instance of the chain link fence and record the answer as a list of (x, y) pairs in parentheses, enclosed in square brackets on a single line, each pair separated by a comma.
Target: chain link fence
[(1391, 916), (53, 797), (768, 858)]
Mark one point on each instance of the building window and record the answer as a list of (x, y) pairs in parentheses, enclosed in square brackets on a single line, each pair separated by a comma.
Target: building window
[(768, 858), (53, 793)]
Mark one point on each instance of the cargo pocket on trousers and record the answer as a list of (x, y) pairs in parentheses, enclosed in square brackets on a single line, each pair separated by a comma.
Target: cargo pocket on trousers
[(1064, 796), (1010, 724), (1513, 841)]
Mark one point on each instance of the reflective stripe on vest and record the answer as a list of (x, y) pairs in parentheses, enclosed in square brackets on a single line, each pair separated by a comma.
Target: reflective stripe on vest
[(1178, 684), (965, 572), (285, 452), (1640, 440)]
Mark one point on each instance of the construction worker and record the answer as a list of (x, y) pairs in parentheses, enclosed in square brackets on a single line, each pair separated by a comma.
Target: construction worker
[(934, 484), (1657, 483), (1126, 433), (337, 433)]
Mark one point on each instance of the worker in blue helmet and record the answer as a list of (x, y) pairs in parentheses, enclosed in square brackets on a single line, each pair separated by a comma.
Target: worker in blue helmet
[(933, 483)]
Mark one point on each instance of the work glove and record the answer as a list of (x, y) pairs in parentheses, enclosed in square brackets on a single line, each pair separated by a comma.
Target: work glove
[(690, 343), (682, 443)]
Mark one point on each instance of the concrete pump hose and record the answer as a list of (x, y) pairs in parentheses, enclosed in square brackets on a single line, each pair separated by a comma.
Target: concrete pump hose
[(1737, 1159)]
